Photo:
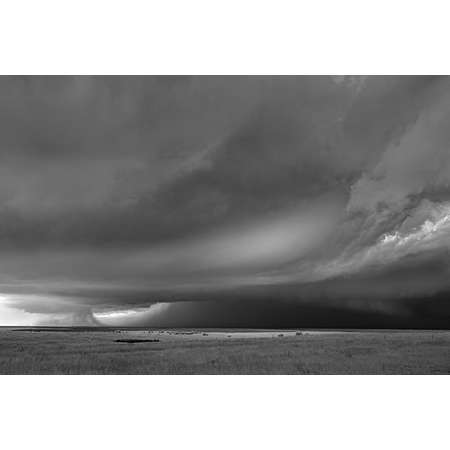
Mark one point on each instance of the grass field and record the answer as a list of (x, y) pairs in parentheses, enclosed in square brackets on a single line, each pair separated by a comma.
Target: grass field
[(92, 351)]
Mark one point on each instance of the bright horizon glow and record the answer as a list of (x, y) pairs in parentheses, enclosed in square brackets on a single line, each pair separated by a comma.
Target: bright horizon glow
[(10, 316)]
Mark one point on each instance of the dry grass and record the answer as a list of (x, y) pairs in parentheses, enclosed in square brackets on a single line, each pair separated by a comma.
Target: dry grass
[(93, 352)]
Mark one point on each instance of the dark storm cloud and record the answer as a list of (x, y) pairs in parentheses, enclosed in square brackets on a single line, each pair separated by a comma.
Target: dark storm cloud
[(143, 158), (275, 313), (132, 158), (118, 193), (79, 151)]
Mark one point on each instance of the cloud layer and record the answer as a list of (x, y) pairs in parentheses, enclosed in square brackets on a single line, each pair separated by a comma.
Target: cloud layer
[(232, 196)]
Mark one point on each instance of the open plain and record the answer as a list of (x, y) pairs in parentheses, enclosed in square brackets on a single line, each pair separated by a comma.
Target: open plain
[(182, 351)]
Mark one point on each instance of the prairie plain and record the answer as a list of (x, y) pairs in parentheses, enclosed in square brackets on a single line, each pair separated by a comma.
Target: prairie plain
[(182, 351)]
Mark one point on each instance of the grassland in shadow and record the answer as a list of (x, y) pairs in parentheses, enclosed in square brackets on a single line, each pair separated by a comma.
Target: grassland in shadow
[(92, 352)]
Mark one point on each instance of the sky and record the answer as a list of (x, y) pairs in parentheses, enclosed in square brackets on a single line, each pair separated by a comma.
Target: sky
[(225, 201)]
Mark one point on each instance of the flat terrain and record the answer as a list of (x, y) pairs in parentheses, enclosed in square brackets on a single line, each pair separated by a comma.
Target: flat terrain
[(131, 351)]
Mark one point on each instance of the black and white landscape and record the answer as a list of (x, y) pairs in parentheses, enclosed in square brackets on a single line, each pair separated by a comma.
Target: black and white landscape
[(225, 224)]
